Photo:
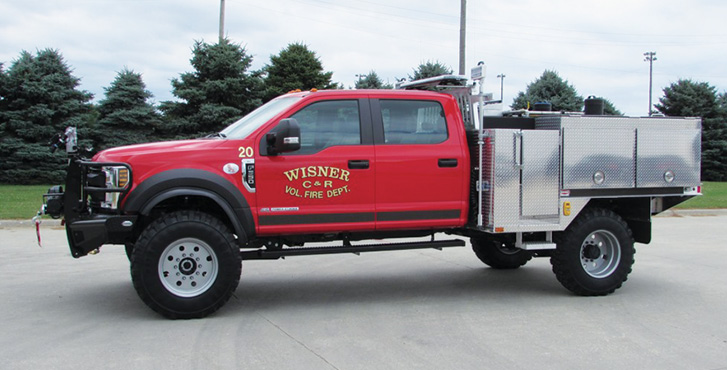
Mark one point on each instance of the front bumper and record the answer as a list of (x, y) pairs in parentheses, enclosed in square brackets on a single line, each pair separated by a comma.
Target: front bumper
[(89, 225), (86, 235)]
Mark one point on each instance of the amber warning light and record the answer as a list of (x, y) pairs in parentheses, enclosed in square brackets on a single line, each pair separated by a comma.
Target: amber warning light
[(123, 177)]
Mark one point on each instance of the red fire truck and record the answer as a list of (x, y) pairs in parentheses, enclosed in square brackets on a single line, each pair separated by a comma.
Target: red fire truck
[(357, 165)]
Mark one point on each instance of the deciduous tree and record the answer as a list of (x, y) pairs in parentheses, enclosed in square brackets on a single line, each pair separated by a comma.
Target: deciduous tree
[(550, 87), (430, 69)]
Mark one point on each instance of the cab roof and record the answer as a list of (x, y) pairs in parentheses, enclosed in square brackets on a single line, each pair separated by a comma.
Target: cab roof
[(368, 93)]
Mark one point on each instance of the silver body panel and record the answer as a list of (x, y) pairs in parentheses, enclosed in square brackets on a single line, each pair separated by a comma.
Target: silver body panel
[(631, 152), (528, 175), (540, 166), (681, 157), (589, 150), (520, 174)]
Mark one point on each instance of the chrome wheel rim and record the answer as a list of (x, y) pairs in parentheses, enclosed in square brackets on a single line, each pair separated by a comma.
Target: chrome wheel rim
[(188, 267), (600, 254)]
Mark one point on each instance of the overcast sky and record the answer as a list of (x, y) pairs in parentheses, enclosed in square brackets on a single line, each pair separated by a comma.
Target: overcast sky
[(597, 46)]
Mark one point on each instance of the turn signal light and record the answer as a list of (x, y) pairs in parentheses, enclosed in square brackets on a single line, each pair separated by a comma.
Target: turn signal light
[(123, 177)]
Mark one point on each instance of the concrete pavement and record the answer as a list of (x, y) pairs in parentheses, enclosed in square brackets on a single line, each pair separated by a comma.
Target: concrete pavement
[(410, 309)]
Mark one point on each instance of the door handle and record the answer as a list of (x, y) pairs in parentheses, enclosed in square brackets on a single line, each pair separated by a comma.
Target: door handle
[(517, 149), (447, 162), (362, 164)]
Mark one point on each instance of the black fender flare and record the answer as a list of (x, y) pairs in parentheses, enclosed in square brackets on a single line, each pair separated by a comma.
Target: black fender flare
[(192, 182)]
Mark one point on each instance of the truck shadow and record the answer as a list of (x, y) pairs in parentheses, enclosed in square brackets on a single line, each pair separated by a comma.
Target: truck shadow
[(262, 292), (302, 292)]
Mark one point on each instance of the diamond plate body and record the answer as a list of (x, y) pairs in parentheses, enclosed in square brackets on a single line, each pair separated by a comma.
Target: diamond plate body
[(521, 172), (540, 170), (629, 152), (675, 151), (587, 150), (526, 171)]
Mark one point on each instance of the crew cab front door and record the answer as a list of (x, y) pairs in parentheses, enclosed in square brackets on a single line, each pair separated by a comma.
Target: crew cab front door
[(328, 184)]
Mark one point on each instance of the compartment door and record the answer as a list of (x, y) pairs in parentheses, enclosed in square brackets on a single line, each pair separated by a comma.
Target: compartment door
[(540, 163)]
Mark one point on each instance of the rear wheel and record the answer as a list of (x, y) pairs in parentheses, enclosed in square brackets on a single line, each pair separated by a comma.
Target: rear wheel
[(594, 254), (186, 265), (499, 254)]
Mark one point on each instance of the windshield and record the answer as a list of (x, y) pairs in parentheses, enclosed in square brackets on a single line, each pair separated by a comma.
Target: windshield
[(246, 125)]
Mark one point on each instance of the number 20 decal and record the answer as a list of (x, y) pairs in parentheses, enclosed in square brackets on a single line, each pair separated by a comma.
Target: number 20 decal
[(245, 152)]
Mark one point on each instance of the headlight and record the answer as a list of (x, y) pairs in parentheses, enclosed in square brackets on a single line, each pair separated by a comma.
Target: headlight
[(116, 177)]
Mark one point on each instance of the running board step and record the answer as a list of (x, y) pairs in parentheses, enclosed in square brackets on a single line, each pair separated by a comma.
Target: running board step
[(537, 246), (302, 251)]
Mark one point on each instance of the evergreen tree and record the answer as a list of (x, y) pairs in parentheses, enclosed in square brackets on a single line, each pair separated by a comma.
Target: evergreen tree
[(372, 81), (687, 98), (125, 116), (714, 149), (220, 91), (39, 100), (609, 109), (295, 67), (430, 69), (553, 89), (3, 77)]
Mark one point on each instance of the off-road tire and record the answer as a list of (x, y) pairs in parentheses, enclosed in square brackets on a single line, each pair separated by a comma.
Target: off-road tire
[(594, 254), (186, 265), (129, 249), (498, 254)]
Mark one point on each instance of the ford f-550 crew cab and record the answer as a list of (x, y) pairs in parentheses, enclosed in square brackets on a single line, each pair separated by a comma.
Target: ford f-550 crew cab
[(355, 165)]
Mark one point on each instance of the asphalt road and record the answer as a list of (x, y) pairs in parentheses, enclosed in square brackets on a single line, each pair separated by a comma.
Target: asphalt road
[(396, 310)]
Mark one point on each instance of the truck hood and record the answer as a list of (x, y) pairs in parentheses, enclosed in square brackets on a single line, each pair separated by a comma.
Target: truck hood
[(163, 149)]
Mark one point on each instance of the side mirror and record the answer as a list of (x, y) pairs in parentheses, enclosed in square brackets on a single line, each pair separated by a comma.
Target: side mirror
[(285, 137)]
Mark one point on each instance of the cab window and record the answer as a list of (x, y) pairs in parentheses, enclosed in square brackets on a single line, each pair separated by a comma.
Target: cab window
[(328, 123), (413, 122)]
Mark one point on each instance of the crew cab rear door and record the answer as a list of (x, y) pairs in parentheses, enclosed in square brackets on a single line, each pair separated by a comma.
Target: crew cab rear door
[(328, 184), (422, 167)]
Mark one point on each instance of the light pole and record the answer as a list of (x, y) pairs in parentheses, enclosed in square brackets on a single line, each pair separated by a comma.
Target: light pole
[(650, 56), (222, 20), (502, 82), (462, 34)]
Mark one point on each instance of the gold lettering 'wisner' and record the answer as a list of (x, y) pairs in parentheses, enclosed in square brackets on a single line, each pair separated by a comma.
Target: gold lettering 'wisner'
[(317, 171)]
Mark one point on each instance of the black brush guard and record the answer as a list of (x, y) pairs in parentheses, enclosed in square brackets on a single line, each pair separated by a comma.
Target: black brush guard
[(88, 226)]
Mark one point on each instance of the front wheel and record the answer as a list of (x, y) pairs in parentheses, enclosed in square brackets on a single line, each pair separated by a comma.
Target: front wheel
[(186, 265), (594, 254)]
